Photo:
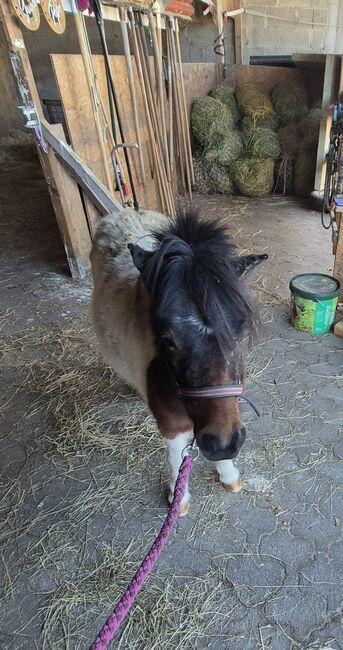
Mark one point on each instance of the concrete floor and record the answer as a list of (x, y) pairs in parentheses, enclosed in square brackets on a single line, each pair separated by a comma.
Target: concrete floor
[(83, 468)]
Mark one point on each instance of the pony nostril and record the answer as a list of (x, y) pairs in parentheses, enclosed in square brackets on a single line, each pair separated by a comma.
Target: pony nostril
[(238, 438), (209, 443)]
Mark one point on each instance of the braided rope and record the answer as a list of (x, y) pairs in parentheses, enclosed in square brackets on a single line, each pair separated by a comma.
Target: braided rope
[(121, 609)]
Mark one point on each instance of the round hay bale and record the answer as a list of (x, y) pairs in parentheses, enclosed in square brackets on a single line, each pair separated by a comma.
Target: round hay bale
[(254, 103), (201, 176), (261, 143), (225, 94), (304, 173), (284, 175), (290, 101), (253, 177), (211, 178), (266, 121), (310, 124), (224, 149), (220, 181), (207, 115), (290, 138)]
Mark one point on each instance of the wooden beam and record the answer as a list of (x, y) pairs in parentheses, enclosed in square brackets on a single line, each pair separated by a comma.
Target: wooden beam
[(220, 26), (329, 96), (69, 211), (95, 190), (338, 264), (233, 5)]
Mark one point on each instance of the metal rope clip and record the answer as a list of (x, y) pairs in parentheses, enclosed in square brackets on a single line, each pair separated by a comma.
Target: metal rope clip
[(191, 450)]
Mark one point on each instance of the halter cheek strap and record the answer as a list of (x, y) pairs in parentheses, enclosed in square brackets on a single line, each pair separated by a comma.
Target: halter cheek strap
[(217, 392)]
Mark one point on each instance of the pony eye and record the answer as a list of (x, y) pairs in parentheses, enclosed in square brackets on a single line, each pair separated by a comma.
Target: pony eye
[(168, 342)]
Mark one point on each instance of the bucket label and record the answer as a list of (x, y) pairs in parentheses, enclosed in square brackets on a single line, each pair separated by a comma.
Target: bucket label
[(313, 317)]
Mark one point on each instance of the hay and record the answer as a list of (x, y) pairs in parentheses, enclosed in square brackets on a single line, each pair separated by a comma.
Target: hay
[(175, 612), (224, 149), (291, 141), (290, 101), (284, 175), (305, 169), (220, 180), (310, 125), (261, 143), (208, 116), (211, 178), (225, 94), (253, 177), (254, 103), (201, 175), (266, 121)]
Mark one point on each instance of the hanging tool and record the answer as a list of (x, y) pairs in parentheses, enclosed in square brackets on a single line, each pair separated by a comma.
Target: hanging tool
[(100, 22), (160, 88), (92, 86), (333, 187), (123, 25)]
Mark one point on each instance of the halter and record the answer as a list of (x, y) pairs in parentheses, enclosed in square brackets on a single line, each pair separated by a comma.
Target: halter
[(217, 392)]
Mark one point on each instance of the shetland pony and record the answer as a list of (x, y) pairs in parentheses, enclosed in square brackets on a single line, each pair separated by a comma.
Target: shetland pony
[(169, 309)]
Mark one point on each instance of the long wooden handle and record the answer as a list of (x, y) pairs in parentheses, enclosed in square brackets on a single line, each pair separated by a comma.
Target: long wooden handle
[(184, 105), (123, 24), (93, 91), (159, 78)]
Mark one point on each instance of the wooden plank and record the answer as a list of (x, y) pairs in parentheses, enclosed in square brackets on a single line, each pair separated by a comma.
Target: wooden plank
[(77, 108), (70, 215), (97, 192), (238, 27), (264, 76), (200, 79), (340, 87), (329, 96), (234, 5), (71, 82), (309, 61), (220, 28), (92, 213), (338, 265)]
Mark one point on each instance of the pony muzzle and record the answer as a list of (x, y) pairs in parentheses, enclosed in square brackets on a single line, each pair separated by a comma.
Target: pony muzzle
[(215, 448)]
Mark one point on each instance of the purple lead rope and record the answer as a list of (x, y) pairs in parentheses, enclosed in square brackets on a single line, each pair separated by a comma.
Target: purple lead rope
[(114, 621)]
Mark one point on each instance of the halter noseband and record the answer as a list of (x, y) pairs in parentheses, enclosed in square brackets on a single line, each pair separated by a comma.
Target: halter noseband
[(217, 392), (211, 392)]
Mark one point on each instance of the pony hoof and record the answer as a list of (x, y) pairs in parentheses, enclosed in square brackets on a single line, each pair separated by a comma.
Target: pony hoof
[(184, 509), (233, 487)]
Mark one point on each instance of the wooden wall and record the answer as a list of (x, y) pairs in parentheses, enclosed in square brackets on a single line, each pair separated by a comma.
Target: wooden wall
[(268, 76), (200, 78)]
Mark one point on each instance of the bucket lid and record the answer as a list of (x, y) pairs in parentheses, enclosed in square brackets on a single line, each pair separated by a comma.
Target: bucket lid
[(315, 286)]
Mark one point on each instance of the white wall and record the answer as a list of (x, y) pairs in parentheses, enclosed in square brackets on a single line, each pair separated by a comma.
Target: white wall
[(306, 26)]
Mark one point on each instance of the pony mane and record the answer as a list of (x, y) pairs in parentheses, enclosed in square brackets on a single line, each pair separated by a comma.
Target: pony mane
[(196, 257)]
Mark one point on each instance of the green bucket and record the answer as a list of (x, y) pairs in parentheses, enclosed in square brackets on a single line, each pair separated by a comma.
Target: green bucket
[(314, 301)]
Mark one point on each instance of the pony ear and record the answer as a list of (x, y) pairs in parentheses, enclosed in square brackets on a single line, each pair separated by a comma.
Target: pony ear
[(139, 256), (244, 264)]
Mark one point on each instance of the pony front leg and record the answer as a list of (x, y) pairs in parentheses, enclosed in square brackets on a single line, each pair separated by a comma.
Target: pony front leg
[(229, 475), (175, 449)]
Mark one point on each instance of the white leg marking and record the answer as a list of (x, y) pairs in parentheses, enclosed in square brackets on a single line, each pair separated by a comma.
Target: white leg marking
[(228, 474), (175, 449)]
